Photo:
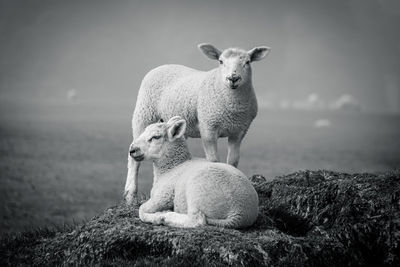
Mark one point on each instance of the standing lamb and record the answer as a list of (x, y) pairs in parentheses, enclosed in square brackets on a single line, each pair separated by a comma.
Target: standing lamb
[(198, 191), (216, 103)]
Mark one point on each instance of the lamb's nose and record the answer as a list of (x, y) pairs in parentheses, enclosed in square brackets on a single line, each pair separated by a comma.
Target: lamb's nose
[(133, 150), (233, 78)]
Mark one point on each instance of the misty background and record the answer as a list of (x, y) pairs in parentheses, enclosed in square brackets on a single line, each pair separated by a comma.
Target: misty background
[(102, 49), (329, 92)]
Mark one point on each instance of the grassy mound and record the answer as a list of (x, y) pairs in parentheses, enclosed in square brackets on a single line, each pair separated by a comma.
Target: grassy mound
[(319, 218)]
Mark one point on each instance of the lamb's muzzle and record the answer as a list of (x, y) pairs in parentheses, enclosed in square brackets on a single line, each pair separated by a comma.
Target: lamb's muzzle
[(136, 153), (233, 79)]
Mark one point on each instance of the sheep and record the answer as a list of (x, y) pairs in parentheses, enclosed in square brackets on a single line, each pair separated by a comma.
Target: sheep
[(216, 103), (198, 191)]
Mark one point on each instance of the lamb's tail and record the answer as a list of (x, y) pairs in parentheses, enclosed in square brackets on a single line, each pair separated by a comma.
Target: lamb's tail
[(231, 221), (222, 223)]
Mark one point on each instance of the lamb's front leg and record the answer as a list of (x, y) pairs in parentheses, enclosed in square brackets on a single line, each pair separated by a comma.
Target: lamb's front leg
[(234, 142), (210, 141), (152, 211)]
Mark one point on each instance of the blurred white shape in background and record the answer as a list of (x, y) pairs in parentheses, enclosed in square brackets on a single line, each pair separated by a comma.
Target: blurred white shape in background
[(322, 123), (313, 102), (72, 95), (346, 102)]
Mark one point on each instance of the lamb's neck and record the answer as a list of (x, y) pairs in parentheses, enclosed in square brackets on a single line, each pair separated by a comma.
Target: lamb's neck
[(176, 153)]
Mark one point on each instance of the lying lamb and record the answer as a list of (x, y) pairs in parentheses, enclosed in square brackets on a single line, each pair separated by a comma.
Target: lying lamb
[(198, 191), (216, 103)]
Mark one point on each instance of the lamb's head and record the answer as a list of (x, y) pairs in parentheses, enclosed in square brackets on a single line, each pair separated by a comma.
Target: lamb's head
[(235, 63), (153, 142)]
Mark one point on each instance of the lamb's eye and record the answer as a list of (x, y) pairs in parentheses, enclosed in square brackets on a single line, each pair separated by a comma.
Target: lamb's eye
[(220, 62), (156, 137)]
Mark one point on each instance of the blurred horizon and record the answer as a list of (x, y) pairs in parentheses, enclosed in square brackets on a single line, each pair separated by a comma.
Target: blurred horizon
[(99, 51)]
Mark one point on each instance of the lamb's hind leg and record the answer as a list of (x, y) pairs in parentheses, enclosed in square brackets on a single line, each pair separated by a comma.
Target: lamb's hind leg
[(180, 220), (234, 149), (139, 123), (210, 139)]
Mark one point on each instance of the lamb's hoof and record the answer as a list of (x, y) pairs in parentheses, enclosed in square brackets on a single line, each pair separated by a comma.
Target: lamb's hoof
[(161, 219), (130, 198), (199, 219)]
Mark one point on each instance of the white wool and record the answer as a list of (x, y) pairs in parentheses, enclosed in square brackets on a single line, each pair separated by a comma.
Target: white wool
[(197, 97), (193, 192), (204, 99)]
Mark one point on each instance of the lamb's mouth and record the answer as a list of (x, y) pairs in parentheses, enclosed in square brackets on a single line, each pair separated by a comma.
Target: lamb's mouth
[(139, 158), (233, 86)]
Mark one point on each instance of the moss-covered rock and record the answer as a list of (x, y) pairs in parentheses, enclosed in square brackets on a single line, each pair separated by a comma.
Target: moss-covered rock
[(319, 218)]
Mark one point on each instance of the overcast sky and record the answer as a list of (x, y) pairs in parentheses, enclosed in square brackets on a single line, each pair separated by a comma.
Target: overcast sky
[(103, 49)]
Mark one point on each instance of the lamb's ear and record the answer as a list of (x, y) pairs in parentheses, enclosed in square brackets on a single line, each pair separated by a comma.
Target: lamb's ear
[(258, 53), (210, 51), (174, 119), (176, 129)]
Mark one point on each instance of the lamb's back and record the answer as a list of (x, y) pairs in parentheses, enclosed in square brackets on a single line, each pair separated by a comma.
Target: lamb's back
[(218, 189), (174, 91)]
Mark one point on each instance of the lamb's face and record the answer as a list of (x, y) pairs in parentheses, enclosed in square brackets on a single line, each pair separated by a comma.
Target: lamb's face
[(235, 67), (234, 63), (152, 143), (149, 145)]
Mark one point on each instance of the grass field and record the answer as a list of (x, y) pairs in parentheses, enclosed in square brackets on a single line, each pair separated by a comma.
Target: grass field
[(61, 163)]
